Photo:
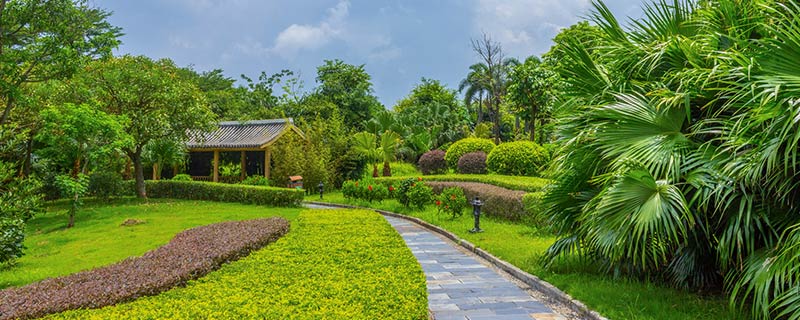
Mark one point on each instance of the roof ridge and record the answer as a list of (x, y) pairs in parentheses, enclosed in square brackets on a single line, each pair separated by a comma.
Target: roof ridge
[(256, 122)]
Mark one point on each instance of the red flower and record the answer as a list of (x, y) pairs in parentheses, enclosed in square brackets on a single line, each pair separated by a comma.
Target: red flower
[(452, 197), (391, 188), (419, 178), (356, 183), (370, 187), (447, 207), (438, 202)]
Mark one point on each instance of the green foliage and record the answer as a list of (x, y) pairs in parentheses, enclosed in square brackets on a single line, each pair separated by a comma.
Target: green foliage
[(365, 190), (432, 105), (482, 130), (472, 163), (183, 177), (288, 159), (11, 239), (73, 188), (464, 146), (529, 184), (104, 184), (534, 208), (403, 187), (162, 153), (224, 192), (20, 200), (369, 273), (254, 181), (451, 201), (230, 169), (517, 158), (531, 91), (419, 195), (350, 166), (348, 87)]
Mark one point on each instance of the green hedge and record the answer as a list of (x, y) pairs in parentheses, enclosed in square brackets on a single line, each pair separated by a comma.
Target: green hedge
[(464, 146), (529, 184), (333, 264), (209, 191), (497, 202), (518, 158)]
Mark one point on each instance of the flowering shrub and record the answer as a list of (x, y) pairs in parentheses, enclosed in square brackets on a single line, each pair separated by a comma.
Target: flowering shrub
[(497, 202), (190, 255), (402, 191), (432, 162), (365, 190), (451, 201), (520, 158), (472, 163), (464, 146), (419, 195)]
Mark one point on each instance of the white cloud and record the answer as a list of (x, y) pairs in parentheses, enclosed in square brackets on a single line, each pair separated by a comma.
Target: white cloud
[(525, 27), (298, 37)]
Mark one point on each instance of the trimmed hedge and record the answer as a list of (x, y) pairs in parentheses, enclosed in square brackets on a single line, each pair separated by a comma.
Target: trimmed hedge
[(432, 162), (190, 255), (497, 201), (518, 158), (529, 184), (464, 146), (335, 264), (221, 192), (472, 163)]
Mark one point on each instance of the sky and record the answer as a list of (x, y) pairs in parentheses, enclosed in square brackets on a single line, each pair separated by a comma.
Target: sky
[(398, 42)]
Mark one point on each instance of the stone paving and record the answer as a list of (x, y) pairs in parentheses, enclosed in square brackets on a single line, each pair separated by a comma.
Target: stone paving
[(461, 287)]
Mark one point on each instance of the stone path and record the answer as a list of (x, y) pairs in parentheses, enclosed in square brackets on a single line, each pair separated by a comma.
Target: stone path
[(460, 287)]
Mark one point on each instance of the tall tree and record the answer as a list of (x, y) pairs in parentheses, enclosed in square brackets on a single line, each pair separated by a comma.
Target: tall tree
[(433, 106), (475, 84), (348, 87), (530, 88), (47, 39), (156, 100), (495, 74)]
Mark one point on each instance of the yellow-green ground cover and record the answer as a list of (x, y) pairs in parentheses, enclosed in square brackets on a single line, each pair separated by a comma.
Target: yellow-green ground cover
[(333, 264)]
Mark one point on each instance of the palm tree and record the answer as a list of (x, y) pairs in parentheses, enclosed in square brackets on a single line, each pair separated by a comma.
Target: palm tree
[(364, 143), (390, 143), (161, 153), (679, 150), (476, 83)]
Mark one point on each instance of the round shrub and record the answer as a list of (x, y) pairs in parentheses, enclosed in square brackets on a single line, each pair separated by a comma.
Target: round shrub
[(255, 181), (432, 162), (472, 163), (105, 184), (464, 146), (182, 177), (518, 158)]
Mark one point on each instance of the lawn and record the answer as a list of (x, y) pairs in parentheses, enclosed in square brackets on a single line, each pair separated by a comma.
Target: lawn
[(99, 239), (523, 245), (333, 264)]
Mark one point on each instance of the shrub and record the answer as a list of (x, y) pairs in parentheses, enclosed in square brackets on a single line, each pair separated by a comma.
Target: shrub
[(350, 189), (419, 195), (190, 255), (366, 189), (472, 163), (11, 239), (534, 209), (402, 191), (182, 177), (369, 273), (464, 146), (522, 183), (105, 184), (519, 158), (210, 191), (255, 181), (497, 202), (432, 162), (451, 201)]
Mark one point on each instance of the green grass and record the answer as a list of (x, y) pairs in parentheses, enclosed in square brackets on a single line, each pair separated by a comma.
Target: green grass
[(529, 184), (333, 264), (98, 239), (523, 245)]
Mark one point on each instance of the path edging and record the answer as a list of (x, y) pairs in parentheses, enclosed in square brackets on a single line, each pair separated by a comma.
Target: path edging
[(527, 278)]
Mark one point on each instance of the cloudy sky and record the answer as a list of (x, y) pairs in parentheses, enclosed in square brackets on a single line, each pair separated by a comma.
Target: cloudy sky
[(399, 41)]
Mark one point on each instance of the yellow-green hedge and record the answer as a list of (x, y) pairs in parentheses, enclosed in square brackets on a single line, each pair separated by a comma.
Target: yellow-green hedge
[(221, 192), (333, 264)]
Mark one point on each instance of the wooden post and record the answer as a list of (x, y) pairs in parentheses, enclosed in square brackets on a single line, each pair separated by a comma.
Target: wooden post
[(267, 156), (216, 166), (244, 165)]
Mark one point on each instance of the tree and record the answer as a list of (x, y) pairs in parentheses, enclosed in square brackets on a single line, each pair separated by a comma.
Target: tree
[(48, 39), (164, 153), (348, 87), (494, 74), (390, 142), (531, 89), (475, 84), (20, 198), (364, 143), (158, 103), (434, 107)]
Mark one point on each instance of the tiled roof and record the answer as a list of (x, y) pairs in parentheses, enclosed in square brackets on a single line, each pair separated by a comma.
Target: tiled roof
[(240, 135)]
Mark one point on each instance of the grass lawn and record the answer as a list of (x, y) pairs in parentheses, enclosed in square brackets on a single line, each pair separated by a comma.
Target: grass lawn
[(98, 239), (333, 264), (523, 245)]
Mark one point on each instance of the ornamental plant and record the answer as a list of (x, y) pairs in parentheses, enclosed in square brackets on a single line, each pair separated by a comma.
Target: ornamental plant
[(451, 201), (350, 189), (419, 195), (376, 192), (472, 163), (432, 162), (255, 181), (464, 146), (74, 188), (402, 191), (518, 158), (182, 177)]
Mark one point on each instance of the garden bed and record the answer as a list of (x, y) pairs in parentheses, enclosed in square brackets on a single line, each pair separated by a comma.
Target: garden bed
[(191, 254), (521, 183)]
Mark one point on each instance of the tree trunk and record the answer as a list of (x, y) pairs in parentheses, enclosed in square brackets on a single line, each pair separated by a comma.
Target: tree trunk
[(138, 171), (72, 211), (516, 123), (387, 170), (76, 168), (375, 170), (156, 172), (127, 175), (534, 111), (26, 165), (7, 111), (480, 108)]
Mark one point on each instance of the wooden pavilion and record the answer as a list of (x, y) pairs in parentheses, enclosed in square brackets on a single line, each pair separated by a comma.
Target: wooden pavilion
[(249, 143)]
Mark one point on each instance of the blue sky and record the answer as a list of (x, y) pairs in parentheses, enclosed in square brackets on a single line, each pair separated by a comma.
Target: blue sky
[(399, 42)]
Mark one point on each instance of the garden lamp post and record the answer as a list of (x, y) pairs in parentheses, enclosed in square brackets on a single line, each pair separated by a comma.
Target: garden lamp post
[(476, 212), (321, 187)]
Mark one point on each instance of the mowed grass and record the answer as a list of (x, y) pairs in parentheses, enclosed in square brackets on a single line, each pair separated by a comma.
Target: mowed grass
[(333, 264), (523, 246), (98, 238)]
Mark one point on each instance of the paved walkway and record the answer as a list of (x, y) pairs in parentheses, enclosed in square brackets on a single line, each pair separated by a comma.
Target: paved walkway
[(460, 287)]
